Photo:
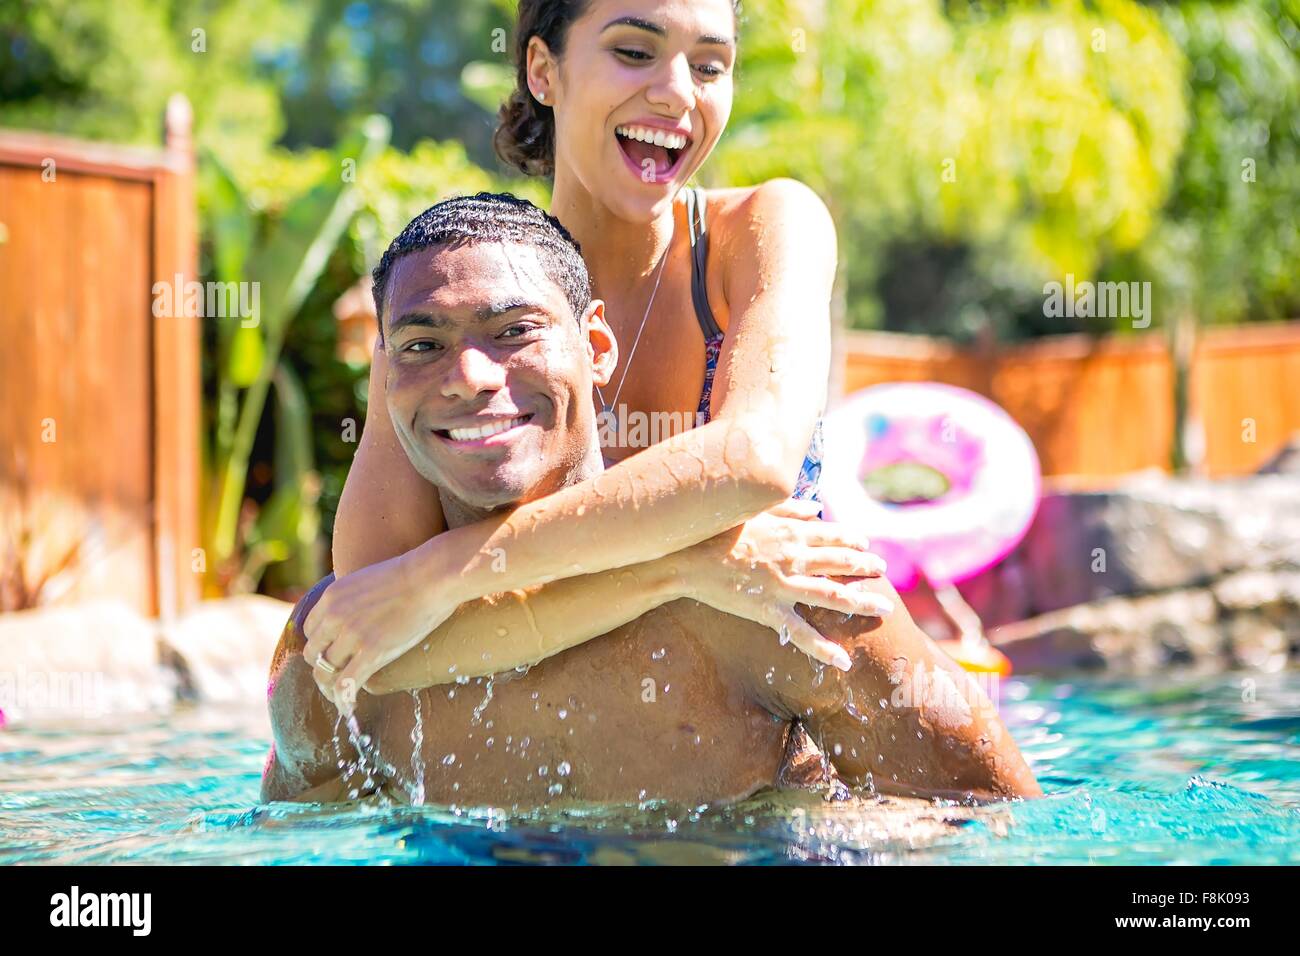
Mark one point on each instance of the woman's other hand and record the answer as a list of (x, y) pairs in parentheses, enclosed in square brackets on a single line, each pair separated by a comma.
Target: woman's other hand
[(785, 556)]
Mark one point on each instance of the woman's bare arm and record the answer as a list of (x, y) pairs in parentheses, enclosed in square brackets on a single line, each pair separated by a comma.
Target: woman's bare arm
[(521, 628)]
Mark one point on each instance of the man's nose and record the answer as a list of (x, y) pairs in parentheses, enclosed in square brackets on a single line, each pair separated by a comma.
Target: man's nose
[(473, 372), (674, 89)]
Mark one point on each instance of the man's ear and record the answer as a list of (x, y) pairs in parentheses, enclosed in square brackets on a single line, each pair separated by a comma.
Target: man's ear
[(602, 347)]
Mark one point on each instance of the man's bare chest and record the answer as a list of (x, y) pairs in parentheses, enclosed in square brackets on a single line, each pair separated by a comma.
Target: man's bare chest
[(645, 712)]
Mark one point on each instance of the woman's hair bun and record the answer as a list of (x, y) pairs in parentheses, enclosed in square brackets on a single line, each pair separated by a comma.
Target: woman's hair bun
[(525, 136)]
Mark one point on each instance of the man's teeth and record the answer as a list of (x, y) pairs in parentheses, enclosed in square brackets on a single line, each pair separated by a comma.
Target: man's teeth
[(656, 136), (484, 431)]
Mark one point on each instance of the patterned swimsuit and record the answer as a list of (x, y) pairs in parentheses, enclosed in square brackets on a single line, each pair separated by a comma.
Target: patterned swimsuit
[(810, 473)]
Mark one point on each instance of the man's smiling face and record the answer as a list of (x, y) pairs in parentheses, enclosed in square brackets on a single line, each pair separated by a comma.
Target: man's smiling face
[(490, 373)]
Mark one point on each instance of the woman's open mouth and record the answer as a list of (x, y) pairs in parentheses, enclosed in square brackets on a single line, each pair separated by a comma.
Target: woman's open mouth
[(653, 155), (498, 431)]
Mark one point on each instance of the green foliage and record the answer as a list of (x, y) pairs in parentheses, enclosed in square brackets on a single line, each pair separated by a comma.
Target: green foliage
[(1228, 245), (398, 186), (72, 66), (996, 151), (105, 70), (283, 256)]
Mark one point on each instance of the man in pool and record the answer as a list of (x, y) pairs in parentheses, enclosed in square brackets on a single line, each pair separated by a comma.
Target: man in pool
[(675, 699)]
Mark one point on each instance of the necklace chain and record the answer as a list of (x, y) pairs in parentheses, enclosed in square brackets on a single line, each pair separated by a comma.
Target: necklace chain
[(637, 341)]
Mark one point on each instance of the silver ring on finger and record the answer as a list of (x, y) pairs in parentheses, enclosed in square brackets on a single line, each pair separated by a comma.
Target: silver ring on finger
[(325, 665)]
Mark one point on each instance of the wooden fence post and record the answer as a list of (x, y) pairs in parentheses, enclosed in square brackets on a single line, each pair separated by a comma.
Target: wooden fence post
[(177, 386)]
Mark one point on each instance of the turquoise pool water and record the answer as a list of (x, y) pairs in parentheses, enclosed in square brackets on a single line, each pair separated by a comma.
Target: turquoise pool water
[(1170, 770)]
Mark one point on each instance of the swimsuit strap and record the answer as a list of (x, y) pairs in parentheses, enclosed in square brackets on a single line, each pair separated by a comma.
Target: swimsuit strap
[(695, 204), (806, 485)]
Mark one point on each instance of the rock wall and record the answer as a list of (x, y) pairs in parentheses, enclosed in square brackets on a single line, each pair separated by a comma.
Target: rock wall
[(1158, 572), (98, 658)]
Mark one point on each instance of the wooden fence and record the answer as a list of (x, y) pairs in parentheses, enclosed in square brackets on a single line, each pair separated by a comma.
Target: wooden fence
[(1098, 408), (99, 400)]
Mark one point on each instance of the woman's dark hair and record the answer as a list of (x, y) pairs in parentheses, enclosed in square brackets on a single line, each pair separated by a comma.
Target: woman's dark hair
[(525, 136)]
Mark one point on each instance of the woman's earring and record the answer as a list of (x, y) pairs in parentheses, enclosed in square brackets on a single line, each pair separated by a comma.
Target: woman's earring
[(541, 96)]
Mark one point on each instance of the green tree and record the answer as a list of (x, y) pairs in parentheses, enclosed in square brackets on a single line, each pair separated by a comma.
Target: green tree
[(968, 156), (1227, 245)]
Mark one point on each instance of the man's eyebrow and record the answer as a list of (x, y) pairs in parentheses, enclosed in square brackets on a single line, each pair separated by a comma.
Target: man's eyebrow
[(494, 309), (416, 318), (486, 314), (659, 30)]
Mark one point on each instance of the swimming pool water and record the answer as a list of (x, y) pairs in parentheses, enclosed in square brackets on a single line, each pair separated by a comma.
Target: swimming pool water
[(1175, 769)]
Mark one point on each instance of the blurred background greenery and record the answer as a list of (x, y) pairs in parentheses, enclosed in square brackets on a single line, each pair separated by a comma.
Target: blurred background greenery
[(969, 151)]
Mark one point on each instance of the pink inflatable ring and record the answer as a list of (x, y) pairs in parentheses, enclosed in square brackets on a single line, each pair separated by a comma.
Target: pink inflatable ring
[(941, 480)]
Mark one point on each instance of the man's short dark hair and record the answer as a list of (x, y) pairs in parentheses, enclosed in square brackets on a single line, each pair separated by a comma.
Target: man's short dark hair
[(491, 217)]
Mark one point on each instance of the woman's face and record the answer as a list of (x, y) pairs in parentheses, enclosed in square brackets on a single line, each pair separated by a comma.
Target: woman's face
[(641, 97)]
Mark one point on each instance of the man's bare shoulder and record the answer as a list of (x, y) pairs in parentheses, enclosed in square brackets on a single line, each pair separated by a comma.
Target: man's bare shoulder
[(302, 721)]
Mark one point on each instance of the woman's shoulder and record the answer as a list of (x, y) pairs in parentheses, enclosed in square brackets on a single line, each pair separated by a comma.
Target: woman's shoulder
[(751, 213), (772, 228)]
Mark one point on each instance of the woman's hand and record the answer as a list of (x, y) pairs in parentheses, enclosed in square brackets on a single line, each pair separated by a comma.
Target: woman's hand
[(366, 620), (782, 557)]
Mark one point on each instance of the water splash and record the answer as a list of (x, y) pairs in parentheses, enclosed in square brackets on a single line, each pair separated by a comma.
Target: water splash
[(417, 752), (477, 717)]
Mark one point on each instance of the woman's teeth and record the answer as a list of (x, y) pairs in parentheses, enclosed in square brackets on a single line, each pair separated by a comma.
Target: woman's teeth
[(485, 431), (656, 136)]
